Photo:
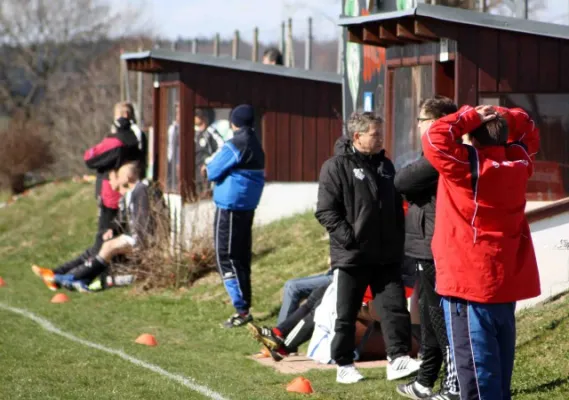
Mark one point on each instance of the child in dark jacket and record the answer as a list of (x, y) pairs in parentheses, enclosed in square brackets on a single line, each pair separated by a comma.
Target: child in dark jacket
[(482, 245)]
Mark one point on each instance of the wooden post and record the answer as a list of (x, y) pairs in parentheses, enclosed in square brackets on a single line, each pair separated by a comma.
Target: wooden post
[(235, 49), (194, 46), (308, 46), (340, 61), (121, 76), (174, 44), (282, 41), (290, 45), (216, 45), (140, 97), (255, 50)]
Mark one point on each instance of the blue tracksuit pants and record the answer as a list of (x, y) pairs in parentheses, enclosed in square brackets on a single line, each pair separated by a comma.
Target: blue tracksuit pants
[(233, 242), (482, 339)]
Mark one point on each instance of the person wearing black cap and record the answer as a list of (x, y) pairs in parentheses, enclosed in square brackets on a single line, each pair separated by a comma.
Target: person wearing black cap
[(238, 173)]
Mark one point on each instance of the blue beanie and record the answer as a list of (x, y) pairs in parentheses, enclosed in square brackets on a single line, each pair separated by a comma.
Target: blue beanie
[(243, 115)]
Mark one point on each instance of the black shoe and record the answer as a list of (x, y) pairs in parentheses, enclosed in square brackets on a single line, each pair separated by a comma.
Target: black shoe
[(237, 320), (274, 354), (411, 391), (265, 335), (445, 395)]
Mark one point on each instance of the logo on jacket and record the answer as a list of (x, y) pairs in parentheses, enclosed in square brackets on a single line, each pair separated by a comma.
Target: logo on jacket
[(202, 142), (359, 173)]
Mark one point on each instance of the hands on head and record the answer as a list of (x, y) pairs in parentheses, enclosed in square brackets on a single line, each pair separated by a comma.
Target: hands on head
[(486, 113)]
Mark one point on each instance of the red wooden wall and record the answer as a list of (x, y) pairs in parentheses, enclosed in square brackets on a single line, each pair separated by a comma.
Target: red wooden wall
[(300, 117), (490, 61)]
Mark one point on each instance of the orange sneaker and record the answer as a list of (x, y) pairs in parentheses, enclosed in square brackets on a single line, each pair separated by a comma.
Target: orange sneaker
[(46, 275)]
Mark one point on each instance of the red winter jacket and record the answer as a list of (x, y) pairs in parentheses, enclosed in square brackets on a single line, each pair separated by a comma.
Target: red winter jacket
[(482, 243), (110, 154)]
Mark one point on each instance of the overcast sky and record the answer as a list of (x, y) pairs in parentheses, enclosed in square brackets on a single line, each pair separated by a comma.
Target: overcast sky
[(195, 18)]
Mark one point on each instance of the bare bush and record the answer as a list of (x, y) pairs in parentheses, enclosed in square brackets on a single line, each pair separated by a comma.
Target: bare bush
[(167, 262), (24, 149)]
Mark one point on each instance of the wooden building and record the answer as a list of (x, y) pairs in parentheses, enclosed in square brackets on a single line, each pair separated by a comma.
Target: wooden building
[(300, 111), (474, 58)]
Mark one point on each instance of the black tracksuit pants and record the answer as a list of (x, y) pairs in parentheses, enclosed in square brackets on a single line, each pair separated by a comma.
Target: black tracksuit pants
[(389, 301), (434, 341), (233, 245), (298, 327), (77, 266)]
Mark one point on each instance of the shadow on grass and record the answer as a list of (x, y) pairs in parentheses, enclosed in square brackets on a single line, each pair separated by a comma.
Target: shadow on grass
[(545, 330), (262, 253), (269, 315), (544, 387)]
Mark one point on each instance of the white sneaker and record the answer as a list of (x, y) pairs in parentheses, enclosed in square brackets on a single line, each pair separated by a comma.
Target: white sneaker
[(401, 367), (348, 374)]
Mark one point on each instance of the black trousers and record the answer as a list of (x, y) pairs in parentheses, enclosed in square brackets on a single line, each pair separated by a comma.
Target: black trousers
[(298, 327), (434, 340), (233, 244), (77, 266), (389, 301)]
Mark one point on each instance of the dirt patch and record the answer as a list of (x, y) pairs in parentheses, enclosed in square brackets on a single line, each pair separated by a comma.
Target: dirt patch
[(299, 364)]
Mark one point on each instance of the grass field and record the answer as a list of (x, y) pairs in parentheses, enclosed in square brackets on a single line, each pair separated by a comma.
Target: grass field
[(56, 221)]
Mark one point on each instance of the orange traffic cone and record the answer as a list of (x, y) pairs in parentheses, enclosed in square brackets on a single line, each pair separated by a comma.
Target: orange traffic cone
[(300, 385), (146, 339), (60, 298), (2, 283)]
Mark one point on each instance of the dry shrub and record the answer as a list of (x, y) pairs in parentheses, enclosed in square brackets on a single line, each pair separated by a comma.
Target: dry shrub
[(23, 149), (168, 262)]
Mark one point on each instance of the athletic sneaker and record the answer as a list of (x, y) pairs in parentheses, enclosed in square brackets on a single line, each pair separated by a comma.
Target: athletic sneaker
[(348, 374), (265, 335), (401, 367), (445, 395), (46, 275), (414, 390), (237, 320), (80, 287)]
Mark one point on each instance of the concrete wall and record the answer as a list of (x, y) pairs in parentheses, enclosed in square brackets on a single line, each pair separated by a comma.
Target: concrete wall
[(550, 238), (281, 200)]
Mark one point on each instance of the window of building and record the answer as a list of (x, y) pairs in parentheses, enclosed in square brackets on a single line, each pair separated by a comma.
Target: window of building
[(212, 128), (173, 139), (550, 112), (410, 86)]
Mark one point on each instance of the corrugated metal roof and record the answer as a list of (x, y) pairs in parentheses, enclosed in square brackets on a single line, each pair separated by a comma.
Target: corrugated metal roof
[(230, 63), (466, 17)]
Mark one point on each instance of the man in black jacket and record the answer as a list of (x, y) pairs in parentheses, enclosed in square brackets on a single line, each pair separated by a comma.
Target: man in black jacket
[(418, 183), (363, 213)]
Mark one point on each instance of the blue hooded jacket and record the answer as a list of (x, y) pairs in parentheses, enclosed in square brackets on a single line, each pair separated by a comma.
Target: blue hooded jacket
[(238, 172)]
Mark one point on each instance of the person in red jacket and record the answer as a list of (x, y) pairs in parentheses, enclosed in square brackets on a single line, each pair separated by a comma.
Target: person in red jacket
[(482, 245)]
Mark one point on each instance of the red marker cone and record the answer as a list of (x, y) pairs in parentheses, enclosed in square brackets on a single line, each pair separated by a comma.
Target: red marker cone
[(2, 283), (147, 340), (300, 385), (60, 298)]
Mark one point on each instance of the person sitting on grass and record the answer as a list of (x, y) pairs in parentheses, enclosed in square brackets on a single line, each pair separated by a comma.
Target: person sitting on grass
[(296, 329), (298, 289), (126, 180)]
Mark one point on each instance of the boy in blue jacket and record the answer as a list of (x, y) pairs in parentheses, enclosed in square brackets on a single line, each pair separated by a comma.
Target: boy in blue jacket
[(238, 173)]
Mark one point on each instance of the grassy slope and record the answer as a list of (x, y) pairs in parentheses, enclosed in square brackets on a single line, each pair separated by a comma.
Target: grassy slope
[(56, 221)]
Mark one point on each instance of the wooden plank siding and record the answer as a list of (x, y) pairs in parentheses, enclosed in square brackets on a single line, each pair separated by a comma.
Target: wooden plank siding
[(466, 87), (309, 99)]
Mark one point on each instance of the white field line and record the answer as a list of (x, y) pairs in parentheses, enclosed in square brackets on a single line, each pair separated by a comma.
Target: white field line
[(190, 383)]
